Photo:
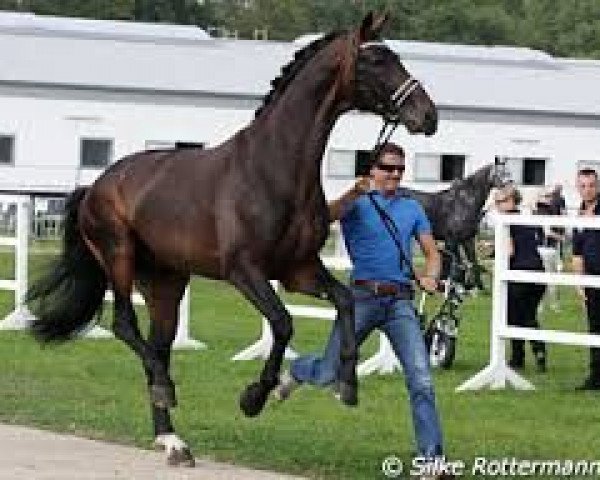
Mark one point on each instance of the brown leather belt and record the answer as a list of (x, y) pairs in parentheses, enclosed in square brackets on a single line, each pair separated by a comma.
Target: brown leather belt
[(386, 288)]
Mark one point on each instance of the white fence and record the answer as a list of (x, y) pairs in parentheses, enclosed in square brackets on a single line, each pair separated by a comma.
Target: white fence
[(21, 317), (383, 362), (497, 374)]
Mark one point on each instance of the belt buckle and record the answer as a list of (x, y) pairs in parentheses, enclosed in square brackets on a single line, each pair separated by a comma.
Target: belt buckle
[(376, 286)]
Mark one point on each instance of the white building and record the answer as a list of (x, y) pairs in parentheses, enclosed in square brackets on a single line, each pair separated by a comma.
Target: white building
[(77, 94)]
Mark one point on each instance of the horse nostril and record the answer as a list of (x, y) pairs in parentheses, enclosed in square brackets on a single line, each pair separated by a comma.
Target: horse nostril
[(431, 118), (430, 122)]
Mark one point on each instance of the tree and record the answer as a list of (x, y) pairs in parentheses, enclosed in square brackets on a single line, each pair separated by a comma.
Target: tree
[(566, 27)]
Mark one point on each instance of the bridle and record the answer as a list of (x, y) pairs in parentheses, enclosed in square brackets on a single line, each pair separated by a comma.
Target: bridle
[(396, 100), (391, 122)]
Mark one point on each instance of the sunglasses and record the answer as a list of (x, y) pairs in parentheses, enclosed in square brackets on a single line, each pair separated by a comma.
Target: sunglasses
[(389, 167)]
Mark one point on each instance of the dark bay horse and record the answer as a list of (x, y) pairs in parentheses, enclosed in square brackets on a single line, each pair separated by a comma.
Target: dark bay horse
[(246, 211), (456, 212)]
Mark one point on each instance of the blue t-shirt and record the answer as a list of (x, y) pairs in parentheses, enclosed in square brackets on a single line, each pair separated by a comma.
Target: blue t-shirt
[(372, 250)]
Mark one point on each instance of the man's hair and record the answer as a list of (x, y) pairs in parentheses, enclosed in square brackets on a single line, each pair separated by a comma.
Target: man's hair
[(390, 148), (587, 172)]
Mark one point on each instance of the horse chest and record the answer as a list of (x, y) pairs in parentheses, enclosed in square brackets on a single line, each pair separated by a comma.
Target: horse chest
[(304, 237)]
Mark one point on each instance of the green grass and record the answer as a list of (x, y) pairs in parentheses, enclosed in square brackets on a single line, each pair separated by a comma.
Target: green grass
[(96, 388)]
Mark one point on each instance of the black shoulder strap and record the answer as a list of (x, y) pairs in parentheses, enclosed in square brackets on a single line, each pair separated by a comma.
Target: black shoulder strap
[(392, 229)]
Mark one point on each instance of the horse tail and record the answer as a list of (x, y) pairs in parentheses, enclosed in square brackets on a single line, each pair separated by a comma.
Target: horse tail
[(65, 299)]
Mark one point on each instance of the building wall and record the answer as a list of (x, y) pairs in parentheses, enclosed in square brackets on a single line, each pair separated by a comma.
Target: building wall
[(48, 125), (48, 130), (564, 142)]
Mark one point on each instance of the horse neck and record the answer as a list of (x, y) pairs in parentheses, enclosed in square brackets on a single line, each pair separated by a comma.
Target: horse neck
[(480, 186), (299, 123)]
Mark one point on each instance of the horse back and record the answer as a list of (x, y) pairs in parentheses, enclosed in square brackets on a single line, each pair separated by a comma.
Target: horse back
[(165, 199)]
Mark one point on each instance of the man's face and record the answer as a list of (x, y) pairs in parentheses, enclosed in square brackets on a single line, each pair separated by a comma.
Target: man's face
[(387, 172), (587, 187)]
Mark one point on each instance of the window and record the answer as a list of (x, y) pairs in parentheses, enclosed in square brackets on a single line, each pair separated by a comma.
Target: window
[(513, 168), (427, 167), (168, 145), (56, 206), (348, 163), (453, 167), (159, 145), (188, 145), (7, 144), (435, 167), (362, 163), (534, 171), (526, 171), (96, 152)]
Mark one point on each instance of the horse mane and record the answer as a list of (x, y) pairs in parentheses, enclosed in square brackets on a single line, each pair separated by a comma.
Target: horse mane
[(470, 179), (290, 70)]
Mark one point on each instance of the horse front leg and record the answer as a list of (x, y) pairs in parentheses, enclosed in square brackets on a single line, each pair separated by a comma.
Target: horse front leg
[(257, 289), (470, 250)]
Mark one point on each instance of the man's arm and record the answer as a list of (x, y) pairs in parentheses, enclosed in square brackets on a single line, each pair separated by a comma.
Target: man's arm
[(577, 264), (429, 279), (337, 208)]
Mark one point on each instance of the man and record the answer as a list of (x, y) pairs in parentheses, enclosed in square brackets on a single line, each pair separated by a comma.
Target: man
[(382, 289), (586, 259)]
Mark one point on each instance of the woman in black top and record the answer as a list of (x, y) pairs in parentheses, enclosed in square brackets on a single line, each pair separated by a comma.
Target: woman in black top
[(523, 298)]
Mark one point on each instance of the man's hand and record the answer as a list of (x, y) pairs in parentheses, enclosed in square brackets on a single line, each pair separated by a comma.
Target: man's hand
[(337, 207), (429, 284), (362, 185)]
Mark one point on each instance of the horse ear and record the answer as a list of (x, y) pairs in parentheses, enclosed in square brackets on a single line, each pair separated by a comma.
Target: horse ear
[(371, 26)]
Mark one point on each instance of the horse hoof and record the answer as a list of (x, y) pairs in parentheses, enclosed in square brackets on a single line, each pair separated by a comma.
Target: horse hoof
[(163, 396), (348, 394), (253, 399), (178, 453)]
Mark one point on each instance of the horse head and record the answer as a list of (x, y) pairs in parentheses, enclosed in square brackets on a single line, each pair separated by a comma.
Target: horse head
[(499, 175), (383, 86)]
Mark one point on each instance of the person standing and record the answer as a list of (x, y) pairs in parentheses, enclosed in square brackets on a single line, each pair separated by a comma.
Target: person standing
[(586, 259), (382, 289), (523, 298)]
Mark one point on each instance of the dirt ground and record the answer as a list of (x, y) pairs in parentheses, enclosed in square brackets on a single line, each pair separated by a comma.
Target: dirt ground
[(29, 454)]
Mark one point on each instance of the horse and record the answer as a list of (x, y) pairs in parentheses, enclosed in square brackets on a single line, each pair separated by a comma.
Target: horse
[(246, 211), (456, 212)]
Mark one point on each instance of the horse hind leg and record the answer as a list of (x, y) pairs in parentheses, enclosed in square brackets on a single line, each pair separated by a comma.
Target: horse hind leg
[(120, 261), (162, 293)]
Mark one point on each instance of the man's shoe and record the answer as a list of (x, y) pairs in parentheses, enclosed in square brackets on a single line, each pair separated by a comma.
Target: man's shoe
[(589, 384), (335, 389), (287, 384)]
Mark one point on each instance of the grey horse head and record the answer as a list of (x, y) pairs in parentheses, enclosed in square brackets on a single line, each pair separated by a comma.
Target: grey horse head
[(499, 174)]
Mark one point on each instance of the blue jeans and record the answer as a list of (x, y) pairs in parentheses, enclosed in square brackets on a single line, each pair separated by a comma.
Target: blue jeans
[(398, 320)]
